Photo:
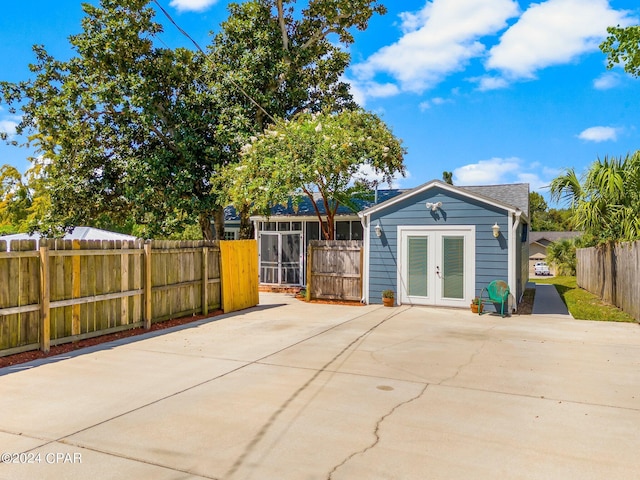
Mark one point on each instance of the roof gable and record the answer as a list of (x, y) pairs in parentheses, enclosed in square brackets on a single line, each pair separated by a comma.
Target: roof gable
[(502, 196)]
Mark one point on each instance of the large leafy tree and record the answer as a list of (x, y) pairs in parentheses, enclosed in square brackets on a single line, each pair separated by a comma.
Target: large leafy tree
[(606, 202), (327, 157), (622, 46), (24, 199), (128, 129), (277, 58), (15, 199), (545, 219)]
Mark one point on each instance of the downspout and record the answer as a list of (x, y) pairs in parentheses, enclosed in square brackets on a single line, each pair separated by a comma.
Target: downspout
[(513, 237)]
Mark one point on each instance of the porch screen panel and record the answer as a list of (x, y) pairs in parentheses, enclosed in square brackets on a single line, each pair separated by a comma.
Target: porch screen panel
[(417, 265), (453, 267), (291, 259), (269, 258)]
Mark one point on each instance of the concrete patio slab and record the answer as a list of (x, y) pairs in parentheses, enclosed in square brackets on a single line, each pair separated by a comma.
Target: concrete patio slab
[(292, 390)]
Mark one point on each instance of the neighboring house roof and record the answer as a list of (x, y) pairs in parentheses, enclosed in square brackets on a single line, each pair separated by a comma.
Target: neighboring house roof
[(545, 238), (78, 233), (305, 207), (512, 197)]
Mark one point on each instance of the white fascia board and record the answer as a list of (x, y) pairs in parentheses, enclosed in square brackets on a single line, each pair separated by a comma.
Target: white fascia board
[(366, 232), (511, 255)]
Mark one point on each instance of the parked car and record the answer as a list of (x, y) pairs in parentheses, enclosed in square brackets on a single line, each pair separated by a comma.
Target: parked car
[(541, 268)]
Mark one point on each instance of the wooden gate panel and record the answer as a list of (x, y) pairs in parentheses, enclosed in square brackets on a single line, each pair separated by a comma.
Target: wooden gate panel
[(239, 274)]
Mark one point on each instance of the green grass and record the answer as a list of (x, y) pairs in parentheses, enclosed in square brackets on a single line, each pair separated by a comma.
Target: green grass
[(582, 304)]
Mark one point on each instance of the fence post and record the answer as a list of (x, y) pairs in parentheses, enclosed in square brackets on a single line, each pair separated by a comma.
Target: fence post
[(124, 283), (75, 289), (147, 285), (205, 279), (309, 271), (45, 314)]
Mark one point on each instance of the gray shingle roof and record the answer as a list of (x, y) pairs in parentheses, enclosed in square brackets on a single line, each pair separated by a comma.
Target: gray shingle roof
[(305, 207), (514, 194)]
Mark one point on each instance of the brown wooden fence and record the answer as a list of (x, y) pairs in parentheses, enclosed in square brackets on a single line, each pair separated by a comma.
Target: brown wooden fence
[(613, 273), (69, 290), (334, 270)]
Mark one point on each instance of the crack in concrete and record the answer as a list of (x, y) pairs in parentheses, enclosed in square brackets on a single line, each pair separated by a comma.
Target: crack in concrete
[(469, 362), (376, 432), (269, 423)]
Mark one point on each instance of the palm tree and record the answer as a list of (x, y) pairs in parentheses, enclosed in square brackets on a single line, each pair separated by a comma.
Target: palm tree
[(606, 203), (562, 254)]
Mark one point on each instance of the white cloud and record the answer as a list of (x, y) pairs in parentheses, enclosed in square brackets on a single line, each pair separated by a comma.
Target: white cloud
[(438, 40), (367, 172), (361, 91), (435, 101), (192, 5), (606, 81), (552, 33), (599, 134), (491, 83), (8, 127), (486, 172), (503, 170)]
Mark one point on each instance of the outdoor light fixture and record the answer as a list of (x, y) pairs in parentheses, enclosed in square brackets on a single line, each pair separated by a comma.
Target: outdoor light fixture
[(378, 229), (496, 230), (433, 206)]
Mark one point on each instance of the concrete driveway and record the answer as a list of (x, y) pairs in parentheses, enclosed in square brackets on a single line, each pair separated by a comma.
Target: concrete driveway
[(296, 391)]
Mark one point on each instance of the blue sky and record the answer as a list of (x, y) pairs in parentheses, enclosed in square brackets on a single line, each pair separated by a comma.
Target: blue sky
[(496, 91)]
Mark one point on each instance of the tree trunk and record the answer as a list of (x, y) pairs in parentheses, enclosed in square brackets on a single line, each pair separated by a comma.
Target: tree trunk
[(218, 219), (204, 219), (246, 226)]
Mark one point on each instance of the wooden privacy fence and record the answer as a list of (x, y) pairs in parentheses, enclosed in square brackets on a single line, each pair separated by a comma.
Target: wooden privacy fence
[(334, 269), (68, 290), (612, 272)]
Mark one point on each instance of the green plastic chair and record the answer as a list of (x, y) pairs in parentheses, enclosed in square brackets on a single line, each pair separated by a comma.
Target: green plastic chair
[(497, 292)]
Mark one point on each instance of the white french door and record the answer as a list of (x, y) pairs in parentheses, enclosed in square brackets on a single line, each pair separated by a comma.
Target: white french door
[(437, 265)]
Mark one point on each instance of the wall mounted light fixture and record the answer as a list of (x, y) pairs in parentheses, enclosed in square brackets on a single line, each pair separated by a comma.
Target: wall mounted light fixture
[(433, 206), (378, 229), (496, 230)]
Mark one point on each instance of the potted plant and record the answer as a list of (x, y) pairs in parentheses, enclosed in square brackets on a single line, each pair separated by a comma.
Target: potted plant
[(476, 305), (388, 298)]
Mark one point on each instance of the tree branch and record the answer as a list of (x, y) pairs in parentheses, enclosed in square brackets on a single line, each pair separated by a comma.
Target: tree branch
[(283, 26), (324, 33)]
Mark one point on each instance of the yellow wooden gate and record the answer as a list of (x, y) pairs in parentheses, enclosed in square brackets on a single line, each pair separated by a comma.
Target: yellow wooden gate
[(239, 274)]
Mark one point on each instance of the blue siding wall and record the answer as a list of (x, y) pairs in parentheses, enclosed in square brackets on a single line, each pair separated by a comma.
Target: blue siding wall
[(491, 253)]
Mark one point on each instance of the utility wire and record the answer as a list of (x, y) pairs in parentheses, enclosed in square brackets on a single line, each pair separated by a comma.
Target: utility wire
[(207, 58)]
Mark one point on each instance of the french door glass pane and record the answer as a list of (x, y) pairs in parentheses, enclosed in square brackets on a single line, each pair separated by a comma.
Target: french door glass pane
[(417, 266), (453, 267)]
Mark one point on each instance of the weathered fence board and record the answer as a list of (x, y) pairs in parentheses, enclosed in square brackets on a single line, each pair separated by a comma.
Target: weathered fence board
[(335, 270), (612, 272), (96, 287)]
